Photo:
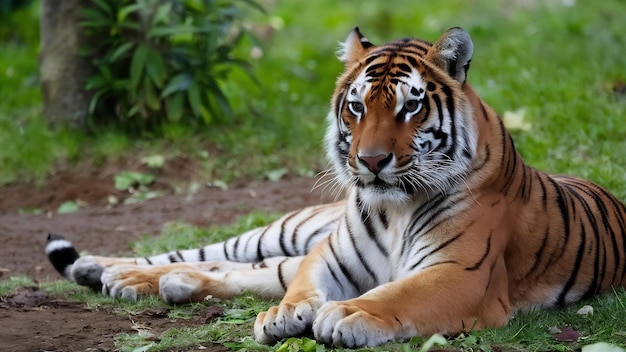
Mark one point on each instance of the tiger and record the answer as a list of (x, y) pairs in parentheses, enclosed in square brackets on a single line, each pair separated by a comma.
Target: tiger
[(444, 228)]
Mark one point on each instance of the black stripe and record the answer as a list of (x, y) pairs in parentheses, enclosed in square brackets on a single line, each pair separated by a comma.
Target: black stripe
[(404, 67), (295, 237), (282, 236), (411, 60), (259, 249), (447, 91), (364, 263), (342, 267), (236, 246), (201, 254), (322, 230), (480, 262), (438, 248), (434, 215), (281, 277), (369, 228), (540, 252), (440, 263), (574, 272), (484, 110), (598, 274), (416, 217), (337, 281), (225, 247), (544, 194), (339, 103), (247, 244), (382, 215), (561, 202)]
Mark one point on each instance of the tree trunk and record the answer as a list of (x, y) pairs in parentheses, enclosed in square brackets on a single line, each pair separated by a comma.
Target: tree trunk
[(62, 71)]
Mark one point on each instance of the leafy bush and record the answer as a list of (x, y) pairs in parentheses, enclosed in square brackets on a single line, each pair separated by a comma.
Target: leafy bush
[(158, 61)]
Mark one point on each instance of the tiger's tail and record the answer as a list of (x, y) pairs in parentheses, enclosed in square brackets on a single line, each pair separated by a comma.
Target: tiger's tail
[(61, 254)]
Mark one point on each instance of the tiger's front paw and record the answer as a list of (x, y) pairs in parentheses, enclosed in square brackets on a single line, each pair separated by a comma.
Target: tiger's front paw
[(129, 282), (285, 320), (347, 325)]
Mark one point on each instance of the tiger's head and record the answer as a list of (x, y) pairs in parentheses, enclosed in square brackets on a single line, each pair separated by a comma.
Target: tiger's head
[(400, 126)]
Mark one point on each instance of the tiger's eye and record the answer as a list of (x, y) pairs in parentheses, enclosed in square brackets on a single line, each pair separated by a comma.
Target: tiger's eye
[(356, 107), (411, 105)]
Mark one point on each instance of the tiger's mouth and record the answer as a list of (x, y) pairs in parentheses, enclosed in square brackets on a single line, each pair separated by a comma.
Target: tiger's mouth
[(376, 184)]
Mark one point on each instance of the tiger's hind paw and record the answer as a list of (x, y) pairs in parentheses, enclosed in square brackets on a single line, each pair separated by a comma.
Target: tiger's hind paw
[(128, 282), (86, 271), (285, 320), (179, 287)]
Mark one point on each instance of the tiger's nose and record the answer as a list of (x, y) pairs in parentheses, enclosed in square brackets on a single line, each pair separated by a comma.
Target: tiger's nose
[(375, 163)]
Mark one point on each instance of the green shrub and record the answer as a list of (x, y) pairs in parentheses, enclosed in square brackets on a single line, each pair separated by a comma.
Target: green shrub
[(161, 61)]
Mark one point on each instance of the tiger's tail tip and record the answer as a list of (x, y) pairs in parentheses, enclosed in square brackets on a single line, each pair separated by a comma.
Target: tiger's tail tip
[(61, 254)]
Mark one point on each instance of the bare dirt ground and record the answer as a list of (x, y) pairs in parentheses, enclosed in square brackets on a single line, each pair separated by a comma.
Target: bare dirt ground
[(33, 321)]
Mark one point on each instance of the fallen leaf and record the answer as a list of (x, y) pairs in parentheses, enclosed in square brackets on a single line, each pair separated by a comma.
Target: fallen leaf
[(567, 334), (68, 207), (585, 310), (602, 347), (515, 120), (555, 330)]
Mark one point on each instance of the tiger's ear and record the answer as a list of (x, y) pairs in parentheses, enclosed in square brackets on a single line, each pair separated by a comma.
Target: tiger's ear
[(355, 47), (453, 53)]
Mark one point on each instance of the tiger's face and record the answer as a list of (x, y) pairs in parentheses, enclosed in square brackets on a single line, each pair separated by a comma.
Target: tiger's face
[(399, 127)]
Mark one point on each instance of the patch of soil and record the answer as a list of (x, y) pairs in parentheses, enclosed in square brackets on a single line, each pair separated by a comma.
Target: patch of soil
[(36, 322), (32, 321)]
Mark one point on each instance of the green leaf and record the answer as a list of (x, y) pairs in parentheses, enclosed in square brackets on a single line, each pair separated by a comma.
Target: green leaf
[(68, 207), (162, 13), (174, 106), (95, 82), (156, 161), (104, 5), (95, 23), (179, 82), (195, 102), (90, 14), (276, 175), (137, 67), (295, 344), (156, 68), (127, 179), (219, 103), (127, 10), (207, 116), (255, 5), (170, 31), (436, 339), (121, 50), (150, 95), (93, 102)]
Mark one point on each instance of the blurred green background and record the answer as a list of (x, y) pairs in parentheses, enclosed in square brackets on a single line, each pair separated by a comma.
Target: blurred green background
[(556, 67)]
